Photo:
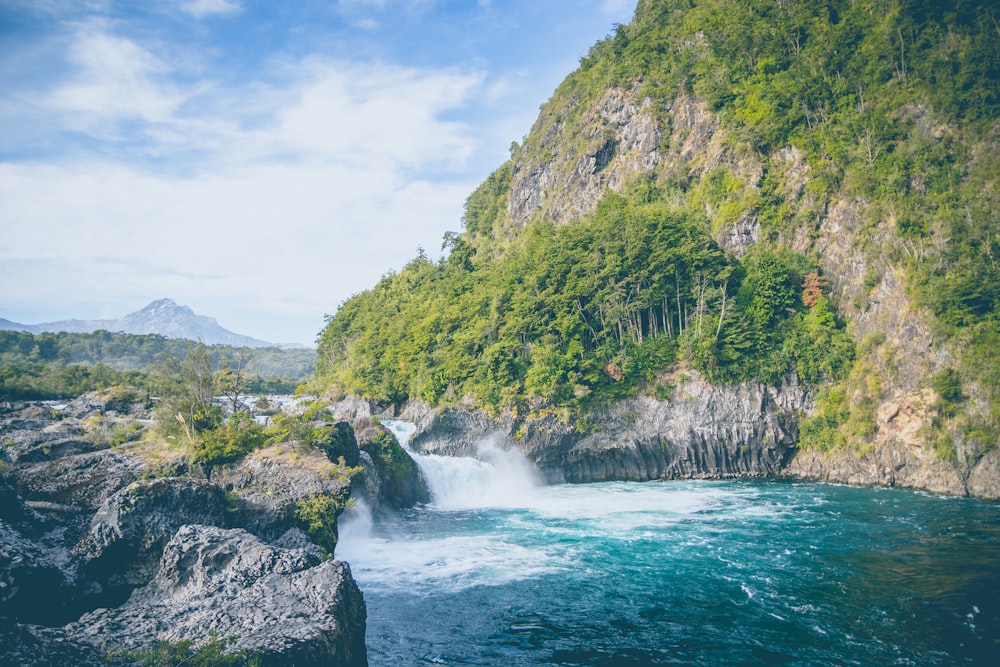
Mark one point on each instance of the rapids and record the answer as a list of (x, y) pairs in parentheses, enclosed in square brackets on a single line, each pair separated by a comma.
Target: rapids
[(500, 570)]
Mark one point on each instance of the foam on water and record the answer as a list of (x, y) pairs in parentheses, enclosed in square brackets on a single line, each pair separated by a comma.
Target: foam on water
[(711, 573), (494, 478), (446, 564)]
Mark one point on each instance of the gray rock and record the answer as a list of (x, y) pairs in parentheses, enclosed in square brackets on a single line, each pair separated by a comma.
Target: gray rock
[(289, 606), (33, 586), (127, 534), (746, 430), (270, 483), (392, 478), (82, 480), (27, 645), (82, 534)]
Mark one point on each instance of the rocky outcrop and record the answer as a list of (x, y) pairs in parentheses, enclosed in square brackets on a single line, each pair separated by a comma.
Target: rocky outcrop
[(391, 478), (704, 431), (623, 138), (101, 554), (81, 482), (268, 484), (34, 585), (283, 605), (898, 455), (127, 534)]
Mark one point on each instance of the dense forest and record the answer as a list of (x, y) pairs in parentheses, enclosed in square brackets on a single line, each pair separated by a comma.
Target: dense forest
[(61, 365), (585, 312), (892, 106)]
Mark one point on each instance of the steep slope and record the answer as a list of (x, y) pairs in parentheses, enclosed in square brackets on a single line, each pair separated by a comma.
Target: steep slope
[(754, 191)]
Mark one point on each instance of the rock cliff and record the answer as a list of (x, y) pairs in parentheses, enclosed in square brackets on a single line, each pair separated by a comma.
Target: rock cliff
[(703, 431), (583, 147), (302, 608)]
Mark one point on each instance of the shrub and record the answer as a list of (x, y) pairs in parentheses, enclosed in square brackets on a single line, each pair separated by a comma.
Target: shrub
[(236, 437), (318, 515)]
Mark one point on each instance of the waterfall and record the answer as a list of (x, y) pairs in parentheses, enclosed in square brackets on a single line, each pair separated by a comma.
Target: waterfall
[(496, 477)]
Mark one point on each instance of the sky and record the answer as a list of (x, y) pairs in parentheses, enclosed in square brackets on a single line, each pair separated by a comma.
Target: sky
[(258, 161)]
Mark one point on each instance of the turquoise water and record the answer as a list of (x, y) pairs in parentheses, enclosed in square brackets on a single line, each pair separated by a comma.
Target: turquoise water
[(501, 571)]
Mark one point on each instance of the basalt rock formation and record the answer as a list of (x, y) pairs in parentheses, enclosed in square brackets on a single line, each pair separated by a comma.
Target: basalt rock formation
[(703, 431), (283, 605)]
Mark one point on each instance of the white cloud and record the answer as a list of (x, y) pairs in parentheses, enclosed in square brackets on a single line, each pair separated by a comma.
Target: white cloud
[(294, 192), (351, 5), (377, 113), (115, 79), (294, 239), (202, 8)]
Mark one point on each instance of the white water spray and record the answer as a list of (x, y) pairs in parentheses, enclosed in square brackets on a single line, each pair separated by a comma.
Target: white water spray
[(491, 522), (496, 477)]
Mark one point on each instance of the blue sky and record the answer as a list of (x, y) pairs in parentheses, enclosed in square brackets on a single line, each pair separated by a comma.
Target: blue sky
[(258, 161)]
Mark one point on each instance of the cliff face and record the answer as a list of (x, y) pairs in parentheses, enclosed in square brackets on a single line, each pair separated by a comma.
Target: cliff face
[(703, 431), (850, 191), (564, 169), (711, 432)]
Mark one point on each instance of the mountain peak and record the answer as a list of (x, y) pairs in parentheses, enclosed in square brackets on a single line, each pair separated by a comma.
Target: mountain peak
[(164, 317), (160, 303)]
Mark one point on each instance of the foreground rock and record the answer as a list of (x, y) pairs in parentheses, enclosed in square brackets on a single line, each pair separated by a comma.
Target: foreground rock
[(97, 559), (128, 533), (283, 605)]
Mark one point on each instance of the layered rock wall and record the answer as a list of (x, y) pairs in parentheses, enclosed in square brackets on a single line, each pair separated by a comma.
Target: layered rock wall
[(704, 431)]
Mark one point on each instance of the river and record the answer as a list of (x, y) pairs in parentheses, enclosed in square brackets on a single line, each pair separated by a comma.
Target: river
[(501, 570)]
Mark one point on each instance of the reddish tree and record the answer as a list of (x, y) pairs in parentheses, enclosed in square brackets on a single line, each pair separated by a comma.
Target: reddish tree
[(812, 289)]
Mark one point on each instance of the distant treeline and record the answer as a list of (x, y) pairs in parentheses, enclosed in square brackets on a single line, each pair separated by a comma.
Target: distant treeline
[(59, 365)]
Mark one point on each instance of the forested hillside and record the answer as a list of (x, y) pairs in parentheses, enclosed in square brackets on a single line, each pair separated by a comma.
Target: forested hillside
[(754, 189), (59, 365)]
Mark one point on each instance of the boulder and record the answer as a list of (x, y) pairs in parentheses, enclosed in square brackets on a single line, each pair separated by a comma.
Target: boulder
[(392, 478), (284, 605), (123, 546), (269, 484), (84, 481)]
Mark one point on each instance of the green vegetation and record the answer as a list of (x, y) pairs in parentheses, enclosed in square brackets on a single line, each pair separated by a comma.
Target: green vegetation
[(186, 411), (230, 440), (394, 465), (40, 380), (318, 516), (174, 654), (584, 312), (66, 365), (105, 432), (887, 106)]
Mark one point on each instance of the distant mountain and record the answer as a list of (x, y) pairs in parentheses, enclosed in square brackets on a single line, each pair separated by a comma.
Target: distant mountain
[(7, 325), (163, 317)]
